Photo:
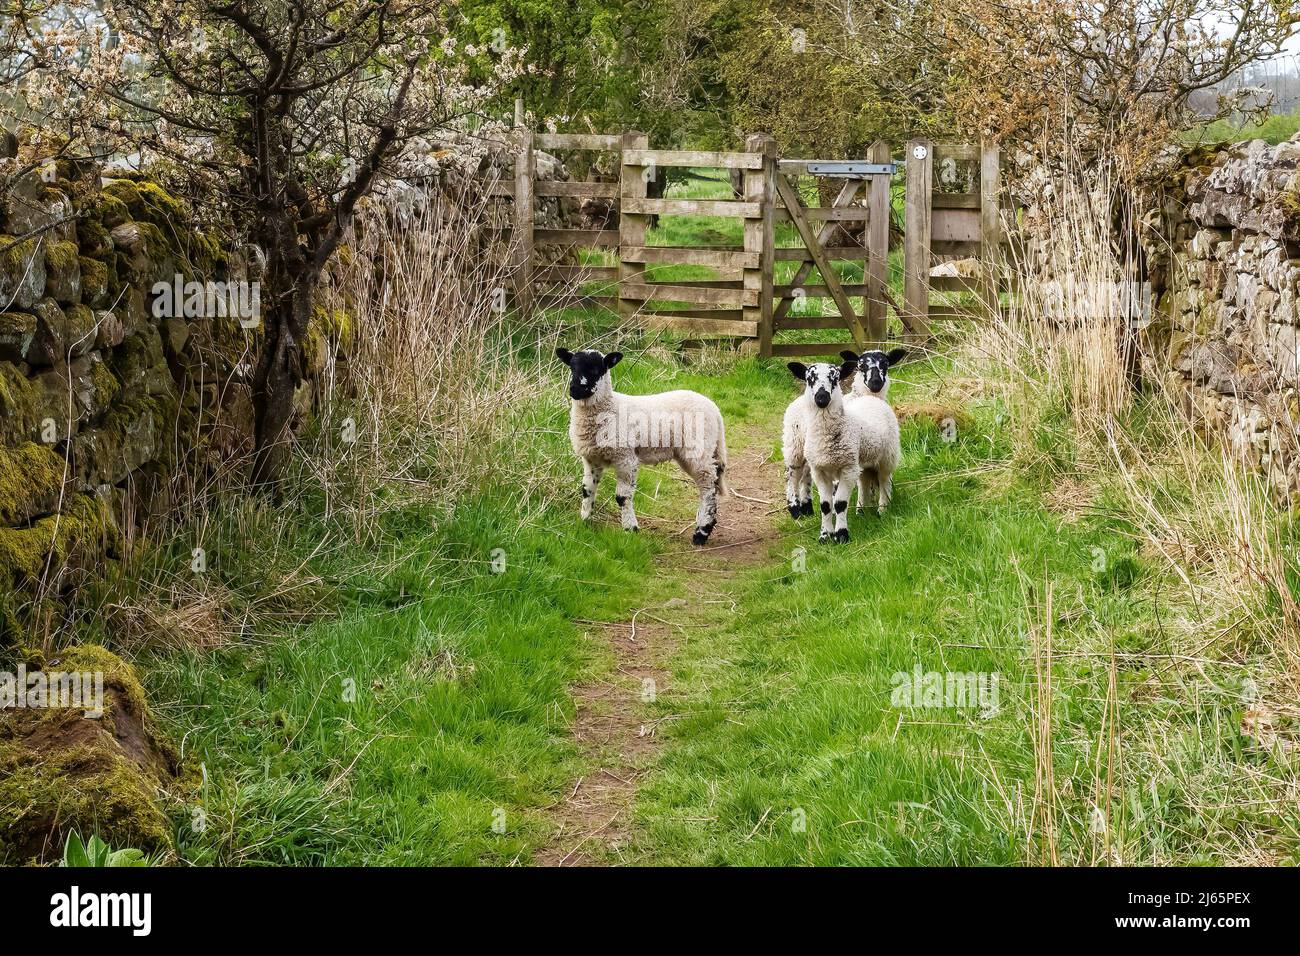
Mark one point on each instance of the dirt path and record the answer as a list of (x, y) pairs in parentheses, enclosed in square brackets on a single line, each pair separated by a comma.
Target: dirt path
[(614, 725)]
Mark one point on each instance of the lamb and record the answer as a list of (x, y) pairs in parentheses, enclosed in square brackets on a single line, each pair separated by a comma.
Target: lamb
[(798, 479), (845, 446), (623, 432), (871, 380)]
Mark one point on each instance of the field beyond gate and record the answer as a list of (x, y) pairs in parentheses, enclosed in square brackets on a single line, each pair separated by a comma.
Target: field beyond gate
[(947, 201)]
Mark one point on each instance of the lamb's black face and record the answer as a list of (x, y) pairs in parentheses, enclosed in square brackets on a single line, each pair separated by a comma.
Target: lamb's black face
[(587, 368), (874, 365)]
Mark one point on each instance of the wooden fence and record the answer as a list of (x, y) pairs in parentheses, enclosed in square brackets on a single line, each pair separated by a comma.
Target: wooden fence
[(745, 300)]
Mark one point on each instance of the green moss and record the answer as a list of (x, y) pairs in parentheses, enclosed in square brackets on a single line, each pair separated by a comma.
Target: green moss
[(61, 771), (17, 323), (112, 212), (107, 387), (159, 206), (83, 529), (94, 279), (61, 256), (125, 194), (30, 478), (19, 400), (16, 255), (92, 237)]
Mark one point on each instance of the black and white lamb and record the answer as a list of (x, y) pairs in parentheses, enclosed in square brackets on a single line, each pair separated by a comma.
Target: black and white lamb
[(845, 446), (623, 432), (873, 371), (871, 380)]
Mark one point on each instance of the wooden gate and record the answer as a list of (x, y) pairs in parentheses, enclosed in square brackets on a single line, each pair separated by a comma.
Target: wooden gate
[(960, 218)]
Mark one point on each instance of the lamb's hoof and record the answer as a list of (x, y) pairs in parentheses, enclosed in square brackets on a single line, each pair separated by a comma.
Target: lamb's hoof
[(842, 536), (795, 512), (823, 537), (700, 537), (806, 509)]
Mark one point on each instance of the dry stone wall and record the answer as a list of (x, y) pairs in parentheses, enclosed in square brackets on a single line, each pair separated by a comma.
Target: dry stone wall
[(100, 398), (1224, 254)]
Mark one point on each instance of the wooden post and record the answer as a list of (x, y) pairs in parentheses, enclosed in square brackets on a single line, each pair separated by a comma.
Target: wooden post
[(877, 268), (990, 226), (760, 236), (918, 220), (525, 167), (519, 112), (631, 226)]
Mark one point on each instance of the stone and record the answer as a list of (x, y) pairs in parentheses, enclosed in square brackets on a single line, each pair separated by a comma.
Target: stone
[(109, 330), (109, 776), (94, 282), (63, 272), (17, 335), (22, 273)]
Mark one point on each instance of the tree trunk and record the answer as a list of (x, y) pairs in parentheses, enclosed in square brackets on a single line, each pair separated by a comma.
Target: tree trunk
[(279, 373)]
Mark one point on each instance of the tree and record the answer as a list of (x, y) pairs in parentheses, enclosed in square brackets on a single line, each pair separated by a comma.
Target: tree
[(286, 114), (1111, 81)]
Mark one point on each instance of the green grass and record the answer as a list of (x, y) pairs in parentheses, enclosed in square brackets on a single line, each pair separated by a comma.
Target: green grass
[(1273, 129), (421, 714)]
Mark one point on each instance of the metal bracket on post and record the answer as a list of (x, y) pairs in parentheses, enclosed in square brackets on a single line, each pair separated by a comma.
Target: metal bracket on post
[(850, 168)]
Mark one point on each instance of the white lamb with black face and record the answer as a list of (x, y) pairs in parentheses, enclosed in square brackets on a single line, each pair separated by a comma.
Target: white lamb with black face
[(623, 432), (873, 371), (844, 447), (798, 479)]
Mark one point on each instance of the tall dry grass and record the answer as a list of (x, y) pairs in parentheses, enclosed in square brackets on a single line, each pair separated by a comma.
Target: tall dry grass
[(1223, 593)]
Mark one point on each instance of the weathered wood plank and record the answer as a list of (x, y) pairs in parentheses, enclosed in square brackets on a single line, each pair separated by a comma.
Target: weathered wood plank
[(576, 301), (631, 226), (692, 157), (578, 141), (692, 255), (673, 292), (832, 253), (955, 225), (576, 237), (990, 224), (698, 325), (760, 237), (829, 213), (962, 152), (955, 200), (581, 190), (916, 250), (694, 207), (525, 171), (877, 237)]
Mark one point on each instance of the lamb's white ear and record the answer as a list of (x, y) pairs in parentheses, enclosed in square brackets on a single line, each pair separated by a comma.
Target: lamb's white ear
[(612, 359), (798, 370), (565, 356), (849, 356), (896, 355)]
